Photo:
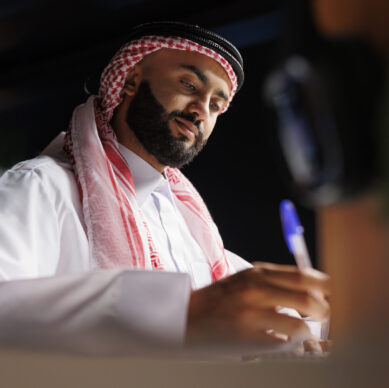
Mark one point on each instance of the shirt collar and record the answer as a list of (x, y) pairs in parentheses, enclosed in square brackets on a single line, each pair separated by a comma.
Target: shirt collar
[(146, 178)]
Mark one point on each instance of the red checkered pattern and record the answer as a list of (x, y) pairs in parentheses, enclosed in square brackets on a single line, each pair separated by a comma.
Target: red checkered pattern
[(117, 232), (114, 75)]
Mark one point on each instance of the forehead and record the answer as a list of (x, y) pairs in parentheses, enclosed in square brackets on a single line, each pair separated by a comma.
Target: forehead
[(165, 59)]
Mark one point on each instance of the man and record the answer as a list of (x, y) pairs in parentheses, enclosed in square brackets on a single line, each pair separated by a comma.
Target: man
[(108, 248)]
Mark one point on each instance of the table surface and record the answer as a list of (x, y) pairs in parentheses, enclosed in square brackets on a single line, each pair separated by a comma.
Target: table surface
[(38, 369)]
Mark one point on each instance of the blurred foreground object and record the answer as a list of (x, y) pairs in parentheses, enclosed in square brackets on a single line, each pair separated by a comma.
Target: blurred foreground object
[(354, 234), (330, 98), (325, 95)]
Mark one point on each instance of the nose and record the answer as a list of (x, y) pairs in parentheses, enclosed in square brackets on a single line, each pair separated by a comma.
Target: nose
[(199, 108)]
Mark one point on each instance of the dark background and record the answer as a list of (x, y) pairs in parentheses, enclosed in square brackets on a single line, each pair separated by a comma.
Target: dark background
[(50, 50)]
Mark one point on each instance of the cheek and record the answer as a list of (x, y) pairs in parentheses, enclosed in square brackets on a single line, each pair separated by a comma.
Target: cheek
[(169, 98), (163, 94), (178, 101), (173, 102), (208, 128)]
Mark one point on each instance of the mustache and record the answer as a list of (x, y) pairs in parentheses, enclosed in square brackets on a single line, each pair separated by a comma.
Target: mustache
[(186, 116)]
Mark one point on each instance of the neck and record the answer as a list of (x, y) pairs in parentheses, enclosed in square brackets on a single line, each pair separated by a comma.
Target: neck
[(132, 143), (127, 138)]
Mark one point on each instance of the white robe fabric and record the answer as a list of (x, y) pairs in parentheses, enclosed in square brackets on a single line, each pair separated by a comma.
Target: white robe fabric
[(52, 296), (51, 293)]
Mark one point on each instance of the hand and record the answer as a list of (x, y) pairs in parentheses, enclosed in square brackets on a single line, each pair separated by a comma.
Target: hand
[(314, 346), (240, 313)]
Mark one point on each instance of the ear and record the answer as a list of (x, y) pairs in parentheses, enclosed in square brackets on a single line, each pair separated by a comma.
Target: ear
[(133, 80)]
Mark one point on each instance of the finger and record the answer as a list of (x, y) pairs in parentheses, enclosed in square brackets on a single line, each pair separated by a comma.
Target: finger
[(256, 322), (288, 268), (299, 350), (293, 278), (326, 345), (265, 344), (274, 266), (268, 296), (276, 346), (312, 346)]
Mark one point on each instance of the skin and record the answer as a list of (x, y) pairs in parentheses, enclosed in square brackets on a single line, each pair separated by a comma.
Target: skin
[(236, 312), (175, 86)]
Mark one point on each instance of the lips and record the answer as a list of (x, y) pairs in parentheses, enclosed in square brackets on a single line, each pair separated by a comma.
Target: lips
[(187, 128)]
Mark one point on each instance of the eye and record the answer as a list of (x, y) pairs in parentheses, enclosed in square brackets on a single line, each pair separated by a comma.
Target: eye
[(188, 85), (215, 107)]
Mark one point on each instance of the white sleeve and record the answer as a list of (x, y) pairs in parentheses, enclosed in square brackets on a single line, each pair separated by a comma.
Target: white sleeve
[(102, 312), (28, 227), (236, 262), (97, 312)]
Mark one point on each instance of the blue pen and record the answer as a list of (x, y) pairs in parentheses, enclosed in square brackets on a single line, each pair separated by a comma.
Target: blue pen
[(294, 234), (294, 237)]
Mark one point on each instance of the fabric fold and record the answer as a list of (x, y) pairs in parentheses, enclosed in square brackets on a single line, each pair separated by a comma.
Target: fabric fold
[(116, 228)]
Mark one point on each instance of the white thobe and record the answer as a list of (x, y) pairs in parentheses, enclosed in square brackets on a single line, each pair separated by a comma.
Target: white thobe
[(178, 250), (52, 295)]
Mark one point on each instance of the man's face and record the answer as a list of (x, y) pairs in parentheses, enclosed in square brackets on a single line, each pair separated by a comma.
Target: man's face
[(177, 104)]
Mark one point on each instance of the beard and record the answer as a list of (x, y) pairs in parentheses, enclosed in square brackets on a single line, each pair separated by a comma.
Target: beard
[(149, 121)]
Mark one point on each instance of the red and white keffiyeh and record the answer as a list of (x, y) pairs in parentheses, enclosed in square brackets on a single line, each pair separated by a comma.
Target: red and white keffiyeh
[(117, 231)]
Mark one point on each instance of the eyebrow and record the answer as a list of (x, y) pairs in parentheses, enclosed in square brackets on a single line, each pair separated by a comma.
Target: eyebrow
[(203, 78)]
